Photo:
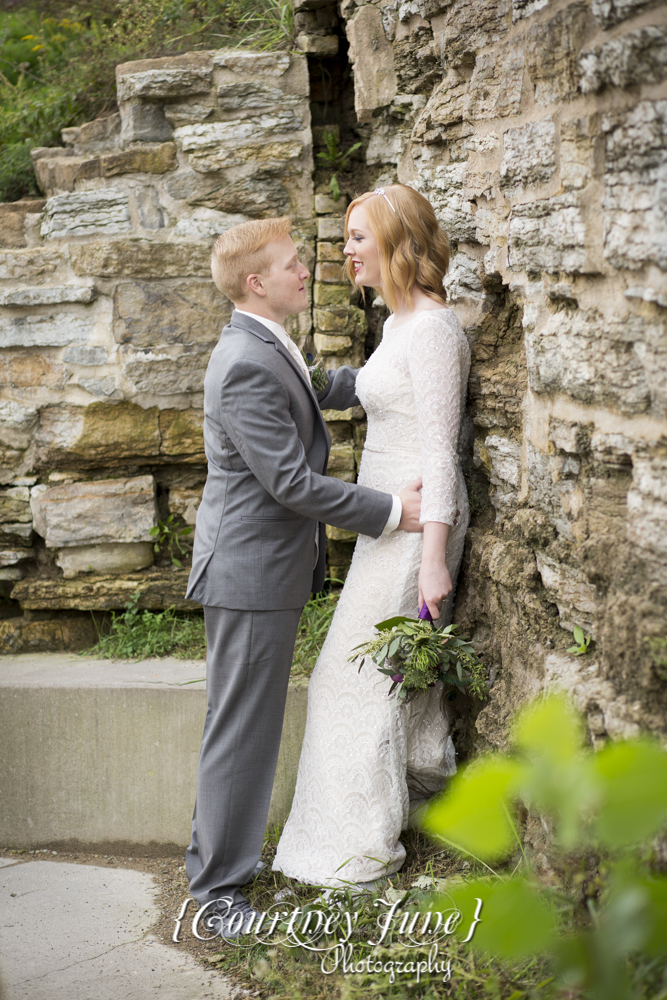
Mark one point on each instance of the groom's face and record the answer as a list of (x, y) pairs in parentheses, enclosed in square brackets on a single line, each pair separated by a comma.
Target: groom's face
[(284, 282)]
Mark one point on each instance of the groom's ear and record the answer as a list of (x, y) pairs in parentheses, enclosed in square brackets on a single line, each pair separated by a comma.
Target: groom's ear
[(254, 284)]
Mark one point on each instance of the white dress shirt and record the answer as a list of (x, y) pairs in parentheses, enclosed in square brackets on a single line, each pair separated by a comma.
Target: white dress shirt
[(277, 330)]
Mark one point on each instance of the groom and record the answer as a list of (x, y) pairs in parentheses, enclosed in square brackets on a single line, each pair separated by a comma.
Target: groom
[(260, 547)]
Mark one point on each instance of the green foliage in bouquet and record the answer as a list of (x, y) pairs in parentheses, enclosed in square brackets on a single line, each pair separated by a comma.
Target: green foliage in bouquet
[(416, 654), (605, 806)]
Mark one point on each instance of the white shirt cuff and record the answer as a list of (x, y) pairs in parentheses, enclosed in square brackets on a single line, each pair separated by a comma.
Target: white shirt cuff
[(395, 516)]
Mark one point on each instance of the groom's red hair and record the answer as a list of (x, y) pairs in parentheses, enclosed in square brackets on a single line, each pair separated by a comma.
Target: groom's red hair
[(240, 251)]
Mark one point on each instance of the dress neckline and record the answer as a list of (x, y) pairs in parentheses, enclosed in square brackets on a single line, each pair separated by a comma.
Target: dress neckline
[(418, 312)]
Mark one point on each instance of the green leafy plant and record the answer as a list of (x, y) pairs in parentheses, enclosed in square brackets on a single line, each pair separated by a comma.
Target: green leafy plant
[(169, 535), (335, 160), (611, 803), (313, 627), (416, 654), (658, 647), (140, 634), (582, 642)]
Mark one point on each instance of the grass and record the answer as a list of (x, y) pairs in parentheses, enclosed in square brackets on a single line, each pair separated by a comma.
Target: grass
[(280, 972), (134, 634), (58, 59)]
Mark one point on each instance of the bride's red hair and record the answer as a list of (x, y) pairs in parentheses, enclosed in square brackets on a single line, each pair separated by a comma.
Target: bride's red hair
[(412, 247)]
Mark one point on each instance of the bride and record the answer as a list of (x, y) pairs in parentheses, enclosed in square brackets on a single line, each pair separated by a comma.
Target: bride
[(368, 761)]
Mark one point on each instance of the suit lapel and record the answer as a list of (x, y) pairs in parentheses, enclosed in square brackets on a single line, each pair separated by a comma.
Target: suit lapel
[(262, 332)]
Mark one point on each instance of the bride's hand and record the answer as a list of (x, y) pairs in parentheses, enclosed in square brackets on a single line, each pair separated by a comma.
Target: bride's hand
[(434, 586), (435, 583)]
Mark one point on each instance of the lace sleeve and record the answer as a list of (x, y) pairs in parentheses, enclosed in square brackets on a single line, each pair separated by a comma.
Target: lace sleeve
[(436, 361)]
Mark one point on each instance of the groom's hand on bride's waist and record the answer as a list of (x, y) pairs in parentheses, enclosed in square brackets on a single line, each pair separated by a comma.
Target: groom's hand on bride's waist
[(411, 501)]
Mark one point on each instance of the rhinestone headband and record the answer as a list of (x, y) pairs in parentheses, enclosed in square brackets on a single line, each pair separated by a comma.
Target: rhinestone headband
[(382, 192)]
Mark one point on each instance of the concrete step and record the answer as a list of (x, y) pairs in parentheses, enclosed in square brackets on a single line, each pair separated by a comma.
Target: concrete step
[(105, 752)]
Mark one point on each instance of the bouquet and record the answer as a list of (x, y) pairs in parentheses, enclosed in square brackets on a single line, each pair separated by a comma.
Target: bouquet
[(416, 654)]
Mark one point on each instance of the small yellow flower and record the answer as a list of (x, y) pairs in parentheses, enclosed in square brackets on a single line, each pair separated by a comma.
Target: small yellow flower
[(36, 48), (29, 38)]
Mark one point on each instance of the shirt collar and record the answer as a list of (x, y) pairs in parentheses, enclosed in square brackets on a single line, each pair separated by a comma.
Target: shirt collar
[(274, 327)]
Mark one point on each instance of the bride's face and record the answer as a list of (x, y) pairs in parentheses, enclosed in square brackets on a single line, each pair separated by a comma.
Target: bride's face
[(362, 248)]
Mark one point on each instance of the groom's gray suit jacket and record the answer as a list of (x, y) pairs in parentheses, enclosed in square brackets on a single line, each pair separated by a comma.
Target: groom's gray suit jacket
[(267, 447)]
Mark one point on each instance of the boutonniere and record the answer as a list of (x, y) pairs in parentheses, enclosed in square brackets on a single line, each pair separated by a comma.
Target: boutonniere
[(318, 376)]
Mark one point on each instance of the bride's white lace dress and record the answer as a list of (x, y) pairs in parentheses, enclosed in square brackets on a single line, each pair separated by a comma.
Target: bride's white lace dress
[(366, 761)]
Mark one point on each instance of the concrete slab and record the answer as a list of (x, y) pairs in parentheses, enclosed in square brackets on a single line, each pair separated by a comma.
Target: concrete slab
[(77, 932), (105, 752)]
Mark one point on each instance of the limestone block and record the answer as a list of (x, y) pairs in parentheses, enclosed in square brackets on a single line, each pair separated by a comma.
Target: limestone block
[(326, 344), (188, 113), (341, 459), (463, 281), (86, 356), (576, 153), (182, 435), (638, 57), (585, 682), (10, 557), (55, 330), (571, 590), (96, 136), (253, 94), (150, 313), (102, 433), (443, 186), (323, 46), (16, 536), (141, 259), (214, 145), (552, 51), (109, 558), (468, 27), (610, 12), (329, 272), (530, 155), (185, 503), (164, 374), (144, 123), (163, 82), (375, 82), (30, 370), (205, 224), (496, 85), (47, 296), (329, 321), (251, 63), (331, 229), (504, 460), (526, 8), (386, 144), (445, 107), (325, 203), (15, 506), (23, 265), (151, 160), (331, 295), (634, 204), (548, 235), (512, 565), (17, 423), (58, 174), (329, 251), (94, 513), (159, 589), (12, 220), (352, 413), (647, 504), (258, 195), (105, 387), (598, 360), (85, 213)]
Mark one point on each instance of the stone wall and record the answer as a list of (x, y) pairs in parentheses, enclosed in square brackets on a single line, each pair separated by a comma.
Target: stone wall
[(108, 316), (539, 132)]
